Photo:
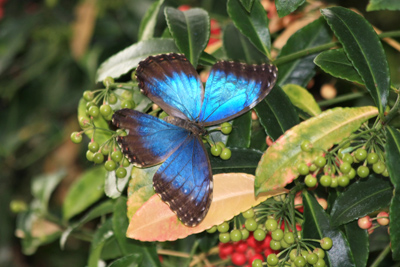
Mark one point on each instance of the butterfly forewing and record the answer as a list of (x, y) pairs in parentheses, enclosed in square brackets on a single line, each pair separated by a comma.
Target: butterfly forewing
[(234, 88), (150, 140), (171, 82)]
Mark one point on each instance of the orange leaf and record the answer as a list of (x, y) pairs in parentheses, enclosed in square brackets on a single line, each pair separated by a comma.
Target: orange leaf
[(233, 194)]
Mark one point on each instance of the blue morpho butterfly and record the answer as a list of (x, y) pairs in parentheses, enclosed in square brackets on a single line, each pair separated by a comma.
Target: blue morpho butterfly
[(184, 180)]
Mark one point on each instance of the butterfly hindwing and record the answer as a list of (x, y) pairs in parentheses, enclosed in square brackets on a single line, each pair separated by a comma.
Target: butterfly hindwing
[(171, 82), (234, 88), (184, 181), (150, 140)]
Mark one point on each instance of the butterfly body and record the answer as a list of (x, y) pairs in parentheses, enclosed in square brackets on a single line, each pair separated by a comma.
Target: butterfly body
[(184, 179)]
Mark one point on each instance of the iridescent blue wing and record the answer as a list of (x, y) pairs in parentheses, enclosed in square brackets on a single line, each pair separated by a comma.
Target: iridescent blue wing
[(150, 140), (234, 88), (171, 82), (184, 181)]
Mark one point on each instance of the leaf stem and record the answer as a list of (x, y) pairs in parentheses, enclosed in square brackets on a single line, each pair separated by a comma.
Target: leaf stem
[(393, 111), (341, 98), (381, 256)]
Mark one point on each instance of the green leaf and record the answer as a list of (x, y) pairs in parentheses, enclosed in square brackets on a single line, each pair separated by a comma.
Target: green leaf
[(114, 186), (301, 70), (242, 160), (364, 49), (148, 23), (84, 192), (278, 164), (359, 243), (392, 148), (127, 59), (317, 225), (285, 7), (140, 188), (207, 59), (100, 210), (103, 234), (383, 4), (253, 25), (276, 113), (360, 199), (42, 188), (336, 63), (239, 48), (241, 131), (132, 260), (190, 29), (247, 4), (258, 137), (301, 98), (100, 136)]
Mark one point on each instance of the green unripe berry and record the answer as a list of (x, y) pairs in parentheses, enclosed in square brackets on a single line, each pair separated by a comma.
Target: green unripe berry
[(225, 154), (216, 150), (223, 227), (334, 182), (110, 165), (312, 258), (105, 110), (245, 233), (345, 167), (310, 180), (224, 237), (121, 132), (108, 81), (299, 261), (212, 229), (250, 224), (320, 161), (248, 213), (277, 234), (105, 150), (236, 235), (275, 244), (89, 155), (257, 263), (372, 158), (313, 167), (116, 156), (306, 146), (326, 243), (289, 237), (320, 263), (125, 162), (93, 146), (303, 169), (348, 158), (112, 98), (84, 122), (121, 172), (226, 128), (259, 234), (98, 158), (329, 170), (343, 181), (385, 173), (127, 104), (221, 144), (360, 154), (363, 171), (325, 180), (76, 137), (94, 111), (352, 173), (90, 104), (271, 225), (88, 95), (378, 167), (127, 94), (293, 254), (319, 252), (272, 259), (284, 244)]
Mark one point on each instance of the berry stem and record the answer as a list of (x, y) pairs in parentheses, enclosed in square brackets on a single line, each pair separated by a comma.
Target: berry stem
[(381, 256), (393, 111)]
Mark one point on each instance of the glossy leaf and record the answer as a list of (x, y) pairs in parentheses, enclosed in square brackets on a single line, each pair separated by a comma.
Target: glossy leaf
[(140, 188), (132, 260), (190, 29), (383, 4), (301, 98), (84, 192), (233, 193), (207, 59), (148, 23), (364, 49), (101, 236), (100, 210), (301, 70), (99, 122), (239, 48), (278, 164), (336, 63), (241, 131), (242, 160), (360, 199), (359, 243), (127, 59), (253, 25), (317, 225), (392, 149), (276, 113), (258, 137), (42, 188), (114, 186), (285, 7), (247, 4)]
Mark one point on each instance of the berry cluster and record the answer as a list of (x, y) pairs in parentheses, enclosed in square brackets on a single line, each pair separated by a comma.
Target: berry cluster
[(219, 149), (366, 222)]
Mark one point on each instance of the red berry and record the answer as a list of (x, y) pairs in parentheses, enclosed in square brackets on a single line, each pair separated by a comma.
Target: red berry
[(266, 241), (255, 257), (238, 258), (222, 256), (365, 222), (241, 246), (383, 218), (225, 248), (184, 7), (252, 242), (268, 251)]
